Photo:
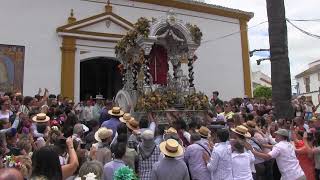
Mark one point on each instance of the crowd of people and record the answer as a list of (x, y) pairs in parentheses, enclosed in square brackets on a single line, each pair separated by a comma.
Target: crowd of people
[(49, 137)]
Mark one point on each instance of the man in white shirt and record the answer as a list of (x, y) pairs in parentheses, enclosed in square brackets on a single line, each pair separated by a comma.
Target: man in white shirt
[(285, 156)]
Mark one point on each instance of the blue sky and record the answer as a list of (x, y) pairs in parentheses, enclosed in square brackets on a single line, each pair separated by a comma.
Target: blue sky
[(303, 49)]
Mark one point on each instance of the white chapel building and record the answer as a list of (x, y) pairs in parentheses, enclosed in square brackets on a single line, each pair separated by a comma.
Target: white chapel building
[(69, 44), (308, 82)]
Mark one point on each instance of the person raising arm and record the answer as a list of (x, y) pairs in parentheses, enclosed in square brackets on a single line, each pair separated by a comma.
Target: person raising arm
[(69, 169)]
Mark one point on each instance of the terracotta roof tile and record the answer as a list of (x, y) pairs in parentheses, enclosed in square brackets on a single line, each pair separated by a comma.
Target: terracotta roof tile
[(311, 70), (218, 7)]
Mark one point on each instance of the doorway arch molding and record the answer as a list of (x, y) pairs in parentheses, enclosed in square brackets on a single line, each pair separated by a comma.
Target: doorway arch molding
[(97, 57), (76, 30)]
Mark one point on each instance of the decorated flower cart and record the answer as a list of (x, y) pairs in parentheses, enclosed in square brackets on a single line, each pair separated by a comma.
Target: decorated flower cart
[(153, 55)]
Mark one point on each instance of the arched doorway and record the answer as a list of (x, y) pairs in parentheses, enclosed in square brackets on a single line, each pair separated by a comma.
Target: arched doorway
[(99, 75)]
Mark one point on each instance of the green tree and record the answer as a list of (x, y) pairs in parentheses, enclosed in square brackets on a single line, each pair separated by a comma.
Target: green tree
[(262, 92)]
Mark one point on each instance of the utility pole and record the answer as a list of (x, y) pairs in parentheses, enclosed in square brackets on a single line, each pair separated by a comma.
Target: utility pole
[(280, 66)]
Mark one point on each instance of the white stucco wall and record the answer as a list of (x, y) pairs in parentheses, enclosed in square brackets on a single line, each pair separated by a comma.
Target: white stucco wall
[(33, 24), (314, 87), (257, 77)]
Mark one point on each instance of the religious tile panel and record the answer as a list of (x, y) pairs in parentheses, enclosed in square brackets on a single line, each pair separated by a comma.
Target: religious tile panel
[(11, 68)]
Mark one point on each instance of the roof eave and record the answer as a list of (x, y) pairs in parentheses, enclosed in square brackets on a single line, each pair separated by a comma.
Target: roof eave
[(202, 7)]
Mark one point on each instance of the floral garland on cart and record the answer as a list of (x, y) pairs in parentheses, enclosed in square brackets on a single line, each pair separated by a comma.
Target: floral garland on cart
[(141, 27), (157, 100)]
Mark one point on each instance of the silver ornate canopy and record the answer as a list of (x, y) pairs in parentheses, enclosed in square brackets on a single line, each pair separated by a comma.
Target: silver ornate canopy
[(180, 39)]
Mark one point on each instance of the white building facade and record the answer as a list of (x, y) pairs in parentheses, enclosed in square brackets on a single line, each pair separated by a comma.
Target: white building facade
[(259, 78), (57, 43), (308, 82)]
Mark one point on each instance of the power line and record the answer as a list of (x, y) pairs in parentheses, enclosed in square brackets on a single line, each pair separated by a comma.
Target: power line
[(231, 34), (303, 31), (289, 20), (305, 20)]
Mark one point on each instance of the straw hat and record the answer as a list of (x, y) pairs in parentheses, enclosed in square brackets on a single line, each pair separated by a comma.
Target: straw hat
[(314, 119), (241, 130), (116, 111), (126, 117), (103, 133), (41, 118), (133, 124), (99, 97), (171, 130), (171, 148), (203, 131)]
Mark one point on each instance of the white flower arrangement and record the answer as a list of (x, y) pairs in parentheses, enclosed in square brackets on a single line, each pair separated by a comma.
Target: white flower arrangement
[(55, 128), (89, 176)]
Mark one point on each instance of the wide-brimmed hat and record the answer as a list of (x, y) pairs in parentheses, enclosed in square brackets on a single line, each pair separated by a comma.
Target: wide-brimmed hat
[(103, 133), (116, 111), (171, 130), (314, 119), (241, 130), (171, 148), (203, 131), (282, 132), (133, 124), (126, 117), (99, 97), (41, 118)]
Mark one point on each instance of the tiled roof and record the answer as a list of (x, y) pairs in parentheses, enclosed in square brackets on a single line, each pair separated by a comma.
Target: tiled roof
[(311, 70), (218, 7), (202, 7)]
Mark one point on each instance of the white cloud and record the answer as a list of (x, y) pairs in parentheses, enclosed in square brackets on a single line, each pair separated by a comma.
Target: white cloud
[(303, 49)]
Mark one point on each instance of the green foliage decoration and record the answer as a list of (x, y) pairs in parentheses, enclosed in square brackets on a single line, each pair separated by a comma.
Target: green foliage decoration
[(125, 173), (141, 27)]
